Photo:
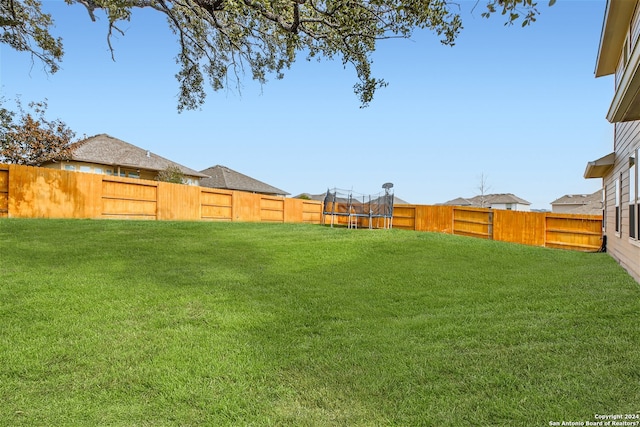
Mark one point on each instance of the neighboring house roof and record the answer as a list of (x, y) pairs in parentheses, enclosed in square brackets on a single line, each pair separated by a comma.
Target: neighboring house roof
[(499, 199), (228, 179), (398, 201), (581, 203), (489, 200), (460, 201), (106, 150)]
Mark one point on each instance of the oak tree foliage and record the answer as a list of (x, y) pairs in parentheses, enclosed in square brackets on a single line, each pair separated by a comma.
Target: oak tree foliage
[(222, 39), (30, 139)]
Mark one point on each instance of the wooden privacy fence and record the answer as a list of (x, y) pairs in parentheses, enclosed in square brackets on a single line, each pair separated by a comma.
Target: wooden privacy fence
[(30, 192), (565, 231)]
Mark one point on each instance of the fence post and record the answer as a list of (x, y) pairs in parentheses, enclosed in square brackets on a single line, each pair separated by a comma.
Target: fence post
[(490, 225), (4, 192)]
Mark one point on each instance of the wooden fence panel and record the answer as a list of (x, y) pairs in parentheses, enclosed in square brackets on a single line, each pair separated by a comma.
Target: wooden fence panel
[(246, 206), (575, 232), (178, 202), (311, 211), (271, 209), (4, 192), (216, 204), (519, 227), (472, 222), (128, 198), (293, 210), (404, 217), (437, 219), (49, 193), (301, 210)]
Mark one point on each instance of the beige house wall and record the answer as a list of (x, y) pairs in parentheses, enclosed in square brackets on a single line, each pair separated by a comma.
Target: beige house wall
[(112, 170), (618, 54), (622, 247)]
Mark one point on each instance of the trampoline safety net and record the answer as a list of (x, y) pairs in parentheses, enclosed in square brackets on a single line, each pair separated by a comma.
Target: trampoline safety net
[(346, 207)]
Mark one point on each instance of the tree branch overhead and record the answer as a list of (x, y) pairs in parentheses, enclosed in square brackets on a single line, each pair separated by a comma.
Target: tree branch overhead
[(217, 37)]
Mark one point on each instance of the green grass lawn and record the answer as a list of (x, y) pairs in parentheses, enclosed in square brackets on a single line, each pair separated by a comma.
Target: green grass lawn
[(127, 323)]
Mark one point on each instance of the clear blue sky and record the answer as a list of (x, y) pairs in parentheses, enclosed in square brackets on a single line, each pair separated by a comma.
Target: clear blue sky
[(519, 105)]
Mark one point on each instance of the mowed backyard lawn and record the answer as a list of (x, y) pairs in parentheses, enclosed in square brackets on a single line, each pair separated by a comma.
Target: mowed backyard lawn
[(133, 323)]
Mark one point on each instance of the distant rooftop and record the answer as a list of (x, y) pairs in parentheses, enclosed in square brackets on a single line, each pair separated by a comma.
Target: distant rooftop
[(579, 199), (489, 199), (106, 150), (222, 177)]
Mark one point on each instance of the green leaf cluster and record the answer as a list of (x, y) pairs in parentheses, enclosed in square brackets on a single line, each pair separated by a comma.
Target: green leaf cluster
[(222, 40), (26, 28)]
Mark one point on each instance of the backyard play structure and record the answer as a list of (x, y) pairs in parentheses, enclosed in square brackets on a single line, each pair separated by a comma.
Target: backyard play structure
[(359, 209)]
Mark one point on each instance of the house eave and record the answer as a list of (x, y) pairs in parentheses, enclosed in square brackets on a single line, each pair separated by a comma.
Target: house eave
[(626, 101), (601, 167), (617, 18)]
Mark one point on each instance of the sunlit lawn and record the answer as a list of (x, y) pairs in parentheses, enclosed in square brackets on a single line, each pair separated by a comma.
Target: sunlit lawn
[(174, 324)]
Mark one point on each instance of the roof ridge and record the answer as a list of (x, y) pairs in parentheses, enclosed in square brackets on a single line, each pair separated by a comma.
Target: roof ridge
[(227, 178)]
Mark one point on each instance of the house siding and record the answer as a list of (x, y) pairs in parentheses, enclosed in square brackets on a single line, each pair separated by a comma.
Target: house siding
[(624, 248), (112, 170), (620, 246), (631, 40), (619, 71)]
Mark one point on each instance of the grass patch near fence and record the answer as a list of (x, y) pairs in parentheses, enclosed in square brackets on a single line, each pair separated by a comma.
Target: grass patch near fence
[(127, 323)]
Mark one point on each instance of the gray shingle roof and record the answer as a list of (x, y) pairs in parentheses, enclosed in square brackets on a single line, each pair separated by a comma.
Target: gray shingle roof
[(460, 201), (579, 199), (106, 150), (489, 199), (228, 179), (580, 203)]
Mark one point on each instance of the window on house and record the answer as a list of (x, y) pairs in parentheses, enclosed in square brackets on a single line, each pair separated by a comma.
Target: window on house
[(97, 170), (509, 206), (618, 205), (69, 167), (633, 197), (133, 175), (85, 168), (625, 50)]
